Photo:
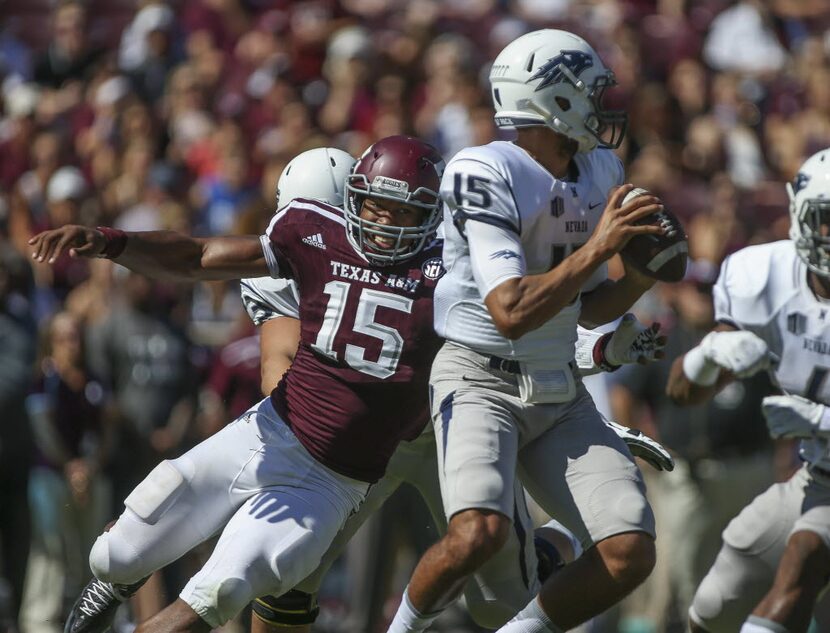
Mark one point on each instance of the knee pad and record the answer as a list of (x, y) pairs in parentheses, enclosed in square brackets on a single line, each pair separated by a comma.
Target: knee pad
[(115, 555), (294, 608), (707, 604), (113, 560)]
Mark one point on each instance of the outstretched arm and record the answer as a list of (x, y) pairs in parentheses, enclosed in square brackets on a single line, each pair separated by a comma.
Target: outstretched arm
[(159, 254)]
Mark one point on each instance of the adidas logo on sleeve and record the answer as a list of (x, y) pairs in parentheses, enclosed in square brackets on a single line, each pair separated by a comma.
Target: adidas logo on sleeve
[(315, 240)]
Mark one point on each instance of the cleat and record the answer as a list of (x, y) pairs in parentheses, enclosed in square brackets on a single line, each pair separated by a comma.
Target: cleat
[(94, 611), (642, 446)]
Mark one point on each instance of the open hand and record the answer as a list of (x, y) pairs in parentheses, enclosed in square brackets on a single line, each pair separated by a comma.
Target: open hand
[(633, 342), (80, 241)]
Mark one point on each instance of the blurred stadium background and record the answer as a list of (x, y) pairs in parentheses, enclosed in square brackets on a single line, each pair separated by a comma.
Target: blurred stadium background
[(181, 114)]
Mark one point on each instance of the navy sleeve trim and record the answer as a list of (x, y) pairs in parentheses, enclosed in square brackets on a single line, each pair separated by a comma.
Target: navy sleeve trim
[(460, 217)]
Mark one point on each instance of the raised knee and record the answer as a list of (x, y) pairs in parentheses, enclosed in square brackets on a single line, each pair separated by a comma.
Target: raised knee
[(707, 606), (629, 557), (112, 560), (475, 536)]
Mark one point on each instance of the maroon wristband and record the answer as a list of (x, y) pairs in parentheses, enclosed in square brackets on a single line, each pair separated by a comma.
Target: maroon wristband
[(599, 353), (116, 241)]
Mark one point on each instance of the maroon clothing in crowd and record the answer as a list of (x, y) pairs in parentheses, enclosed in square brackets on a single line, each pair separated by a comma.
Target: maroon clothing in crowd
[(75, 414)]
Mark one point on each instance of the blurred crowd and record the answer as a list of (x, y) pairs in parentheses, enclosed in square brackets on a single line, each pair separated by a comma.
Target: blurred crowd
[(181, 115)]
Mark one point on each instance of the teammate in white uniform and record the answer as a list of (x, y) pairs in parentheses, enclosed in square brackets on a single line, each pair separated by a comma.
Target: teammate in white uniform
[(500, 588), (772, 303), (528, 228)]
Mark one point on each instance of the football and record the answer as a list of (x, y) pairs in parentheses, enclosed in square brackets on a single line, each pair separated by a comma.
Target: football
[(662, 257)]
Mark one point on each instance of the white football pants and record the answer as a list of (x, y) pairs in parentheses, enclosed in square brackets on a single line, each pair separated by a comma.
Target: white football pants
[(279, 507)]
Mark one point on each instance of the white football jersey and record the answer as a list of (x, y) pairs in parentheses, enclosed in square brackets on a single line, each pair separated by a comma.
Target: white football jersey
[(763, 289), (500, 184), (267, 298)]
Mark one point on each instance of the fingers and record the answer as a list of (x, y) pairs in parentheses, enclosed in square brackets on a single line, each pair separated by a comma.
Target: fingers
[(616, 198), (62, 245), (644, 229), (35, 243), (41, 243), (639, 201), (44, 243), (642, 210), (49, 245)]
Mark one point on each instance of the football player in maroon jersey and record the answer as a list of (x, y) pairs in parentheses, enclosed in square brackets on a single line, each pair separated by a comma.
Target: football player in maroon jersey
[(289, 471)]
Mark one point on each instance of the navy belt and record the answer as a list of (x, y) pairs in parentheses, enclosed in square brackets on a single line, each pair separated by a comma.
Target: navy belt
[(503, 364)]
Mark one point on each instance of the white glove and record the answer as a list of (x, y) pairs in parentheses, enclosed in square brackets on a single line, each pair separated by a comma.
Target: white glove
[(794, 416), (633, 342), (642, 446), (742, 353)]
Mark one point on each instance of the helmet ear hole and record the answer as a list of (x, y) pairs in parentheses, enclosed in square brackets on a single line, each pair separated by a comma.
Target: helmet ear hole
[(563, 103)]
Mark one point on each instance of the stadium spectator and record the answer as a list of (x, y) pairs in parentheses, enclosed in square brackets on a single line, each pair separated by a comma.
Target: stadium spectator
[(69, 496)]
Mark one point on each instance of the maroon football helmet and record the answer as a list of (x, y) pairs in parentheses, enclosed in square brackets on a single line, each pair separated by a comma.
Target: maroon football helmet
[(399, 168)]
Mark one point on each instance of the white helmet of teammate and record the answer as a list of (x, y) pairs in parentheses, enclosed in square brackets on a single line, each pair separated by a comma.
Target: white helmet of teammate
[(810, 211), (555, 78), (317, 173)]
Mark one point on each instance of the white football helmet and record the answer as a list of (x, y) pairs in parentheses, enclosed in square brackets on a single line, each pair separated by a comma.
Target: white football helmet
[(810, 211), (555, 78), (317, 173)]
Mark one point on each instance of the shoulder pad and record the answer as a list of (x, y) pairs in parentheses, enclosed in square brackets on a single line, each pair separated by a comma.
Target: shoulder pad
[(754, 282)]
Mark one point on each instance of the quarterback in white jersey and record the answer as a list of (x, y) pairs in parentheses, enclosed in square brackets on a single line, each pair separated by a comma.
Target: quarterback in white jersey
[(543, 220), (772, 303), (528, 227)]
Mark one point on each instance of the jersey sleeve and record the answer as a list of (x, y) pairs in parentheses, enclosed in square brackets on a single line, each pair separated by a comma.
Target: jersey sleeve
[(265, 299), (496, 255), (473, 190), (278, 243), (741, 294)]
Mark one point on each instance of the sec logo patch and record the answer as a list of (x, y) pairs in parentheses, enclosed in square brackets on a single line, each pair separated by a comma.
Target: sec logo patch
[(433, 268)]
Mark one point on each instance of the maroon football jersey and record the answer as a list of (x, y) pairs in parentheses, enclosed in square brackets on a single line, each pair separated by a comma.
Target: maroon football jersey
[(359, 381)]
